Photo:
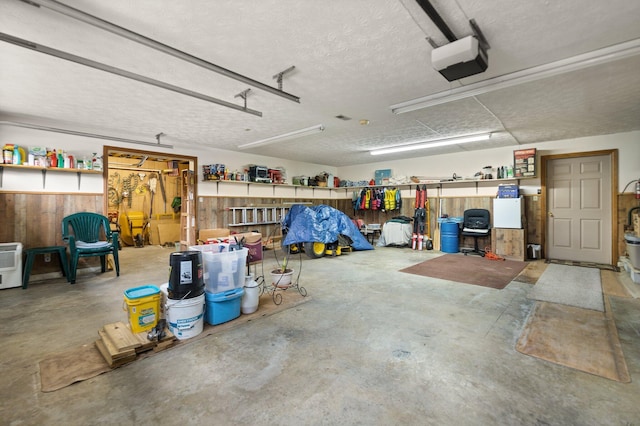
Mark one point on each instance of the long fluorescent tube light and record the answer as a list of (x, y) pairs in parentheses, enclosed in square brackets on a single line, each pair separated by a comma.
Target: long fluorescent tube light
[(578, 62), (291, 135), (432, 144), (84, 134)]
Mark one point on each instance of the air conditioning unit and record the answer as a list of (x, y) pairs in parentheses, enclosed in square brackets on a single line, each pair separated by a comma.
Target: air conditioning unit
[(459, 59), (10, 265)]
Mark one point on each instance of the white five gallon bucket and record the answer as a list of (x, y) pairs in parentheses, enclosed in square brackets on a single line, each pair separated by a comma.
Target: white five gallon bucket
[(164, 296), (185, 316)]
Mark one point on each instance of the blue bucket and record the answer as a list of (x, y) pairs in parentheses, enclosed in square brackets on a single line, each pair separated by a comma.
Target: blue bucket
[(449, 237)]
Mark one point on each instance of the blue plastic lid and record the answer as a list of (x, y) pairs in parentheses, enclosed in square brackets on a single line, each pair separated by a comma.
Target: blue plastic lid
[(140, 292), (630, 238)]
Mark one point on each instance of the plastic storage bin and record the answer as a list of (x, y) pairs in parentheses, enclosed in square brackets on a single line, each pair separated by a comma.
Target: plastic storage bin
[(223, 307), (143, 307), (223, 270), (633, 248)]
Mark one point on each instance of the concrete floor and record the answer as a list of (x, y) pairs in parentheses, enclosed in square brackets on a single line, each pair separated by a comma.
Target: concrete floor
[(372, 346)]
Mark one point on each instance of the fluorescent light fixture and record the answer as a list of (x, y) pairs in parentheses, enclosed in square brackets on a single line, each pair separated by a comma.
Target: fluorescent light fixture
[(291, 135), (432, 144), (578, 62)]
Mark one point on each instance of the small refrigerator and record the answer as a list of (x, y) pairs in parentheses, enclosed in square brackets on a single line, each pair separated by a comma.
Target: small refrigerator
[(508, 212)]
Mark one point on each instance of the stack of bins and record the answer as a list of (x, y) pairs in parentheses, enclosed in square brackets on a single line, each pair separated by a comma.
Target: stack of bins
[(224, 273), (184, 308)]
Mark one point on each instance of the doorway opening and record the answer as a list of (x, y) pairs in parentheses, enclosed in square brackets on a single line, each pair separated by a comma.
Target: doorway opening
[(144, 195)]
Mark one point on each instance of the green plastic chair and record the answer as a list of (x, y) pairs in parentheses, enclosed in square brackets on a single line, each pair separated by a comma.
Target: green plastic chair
[(89, 235)]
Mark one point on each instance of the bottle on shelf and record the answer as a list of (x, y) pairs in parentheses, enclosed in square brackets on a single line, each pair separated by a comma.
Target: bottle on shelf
[(7, 154), (16, 155), (96, 162)]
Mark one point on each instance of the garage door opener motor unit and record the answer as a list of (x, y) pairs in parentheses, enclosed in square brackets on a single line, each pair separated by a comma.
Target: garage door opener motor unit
[(10, 265), (459, 59)]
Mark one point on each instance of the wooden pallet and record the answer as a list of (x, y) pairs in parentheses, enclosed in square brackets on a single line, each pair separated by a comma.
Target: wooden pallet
[(119, 345)]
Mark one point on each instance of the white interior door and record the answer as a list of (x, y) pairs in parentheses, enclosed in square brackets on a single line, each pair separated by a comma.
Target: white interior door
[(579, 209)]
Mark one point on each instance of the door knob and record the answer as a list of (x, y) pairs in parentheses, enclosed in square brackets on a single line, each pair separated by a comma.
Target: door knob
[(550, 214)]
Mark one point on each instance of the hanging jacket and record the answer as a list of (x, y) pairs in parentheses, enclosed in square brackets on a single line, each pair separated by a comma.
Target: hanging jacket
[(398, 199)]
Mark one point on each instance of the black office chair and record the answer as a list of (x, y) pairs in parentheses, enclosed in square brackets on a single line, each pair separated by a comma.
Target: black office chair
[(476, 224)]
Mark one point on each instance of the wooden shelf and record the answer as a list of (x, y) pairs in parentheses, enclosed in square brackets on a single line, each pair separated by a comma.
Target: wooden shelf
[(44, 171), (346, 189), (53, 169)]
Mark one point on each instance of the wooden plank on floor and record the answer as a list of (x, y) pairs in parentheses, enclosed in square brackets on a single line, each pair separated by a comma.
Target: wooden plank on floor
[(113, 363), (121, 336), (111, 348)]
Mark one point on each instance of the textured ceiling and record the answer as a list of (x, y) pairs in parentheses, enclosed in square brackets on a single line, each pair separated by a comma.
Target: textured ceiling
[(353, 57)]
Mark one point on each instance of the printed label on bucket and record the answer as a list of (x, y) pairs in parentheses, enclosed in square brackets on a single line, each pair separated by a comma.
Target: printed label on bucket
[(183, 323), (146, 316), (185, 272)]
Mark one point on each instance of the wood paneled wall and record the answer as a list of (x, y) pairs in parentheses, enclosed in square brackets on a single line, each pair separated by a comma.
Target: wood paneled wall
[(35, 220), (213, 211), (142, 198)]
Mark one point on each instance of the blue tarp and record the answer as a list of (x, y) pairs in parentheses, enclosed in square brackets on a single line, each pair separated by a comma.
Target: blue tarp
[(321, 224)]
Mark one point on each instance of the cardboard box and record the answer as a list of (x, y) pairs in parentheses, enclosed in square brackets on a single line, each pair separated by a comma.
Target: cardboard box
[(253, 242), (169, 232), (249, 237), (206, 234)]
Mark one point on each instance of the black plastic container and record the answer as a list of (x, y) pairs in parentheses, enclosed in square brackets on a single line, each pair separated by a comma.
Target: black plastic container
[(185, 275)]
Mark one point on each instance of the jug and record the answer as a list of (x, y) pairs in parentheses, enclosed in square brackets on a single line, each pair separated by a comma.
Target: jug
[(251, 296)]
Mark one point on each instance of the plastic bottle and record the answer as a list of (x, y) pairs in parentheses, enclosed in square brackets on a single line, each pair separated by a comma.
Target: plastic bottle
[(16, 155), (225, 278), (7, 154), (251, 296), (97, 162), (60, 159), (54, 159)]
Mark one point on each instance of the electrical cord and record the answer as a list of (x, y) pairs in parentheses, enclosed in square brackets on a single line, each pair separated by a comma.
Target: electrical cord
[(488, 254), (627, 185)]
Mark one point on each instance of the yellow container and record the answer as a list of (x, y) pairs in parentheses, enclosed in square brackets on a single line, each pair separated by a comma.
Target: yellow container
[(143, 307), (136, 219)]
